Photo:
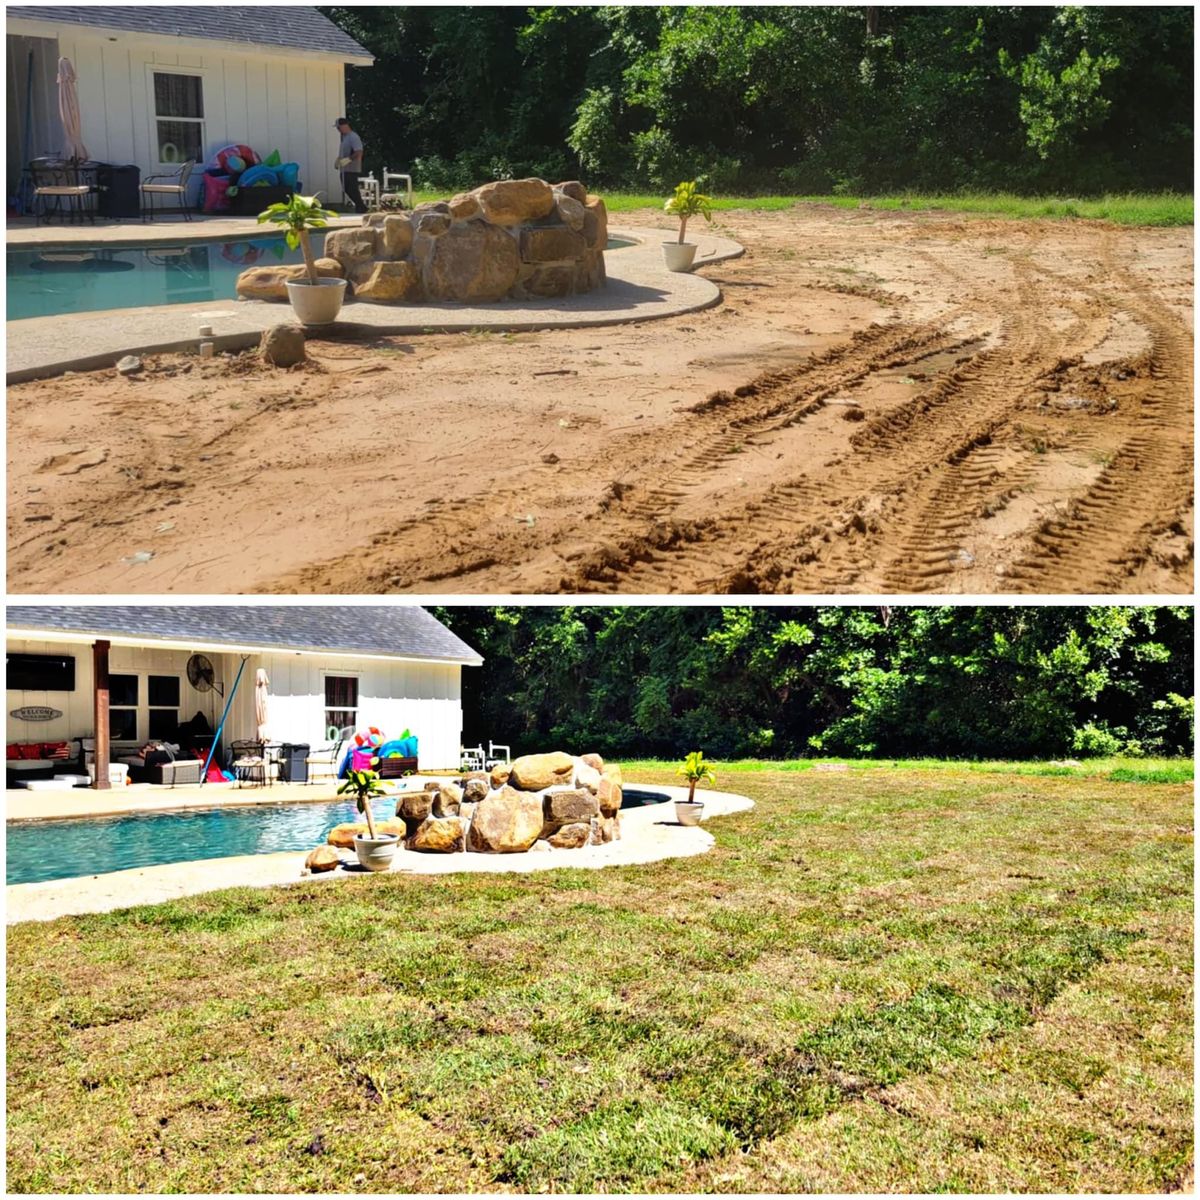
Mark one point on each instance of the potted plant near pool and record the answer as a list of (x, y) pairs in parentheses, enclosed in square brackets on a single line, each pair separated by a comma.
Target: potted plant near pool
[(688, 201), (376, 850), (695, 770), (315, 300)]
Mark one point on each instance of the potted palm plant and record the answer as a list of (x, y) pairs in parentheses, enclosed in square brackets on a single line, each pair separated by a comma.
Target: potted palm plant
[(376, 850), (315, 301), (695, 770), (687, 202)]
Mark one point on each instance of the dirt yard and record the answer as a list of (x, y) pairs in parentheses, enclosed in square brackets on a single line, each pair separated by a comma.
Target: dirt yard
[(883, 402)]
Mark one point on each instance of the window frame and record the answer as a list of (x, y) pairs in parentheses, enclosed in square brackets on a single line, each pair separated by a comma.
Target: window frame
[(153, 69), (355, 708)]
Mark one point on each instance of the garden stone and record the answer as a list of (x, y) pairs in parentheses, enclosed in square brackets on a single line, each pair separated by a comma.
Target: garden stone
[(507, 822), (512, 201), (446, 800), (609, 796), (386, 282), (570, 212), (433, 224), (595, 223), (129, 365), (593, 760), (323, 858), (414, 807), (571, 837), (545, 283), (464, 206), (533, 772), (551, 244), (573, 189), (396, 236), (437, 835), (566, 808), (472, 261), (342, 836), (586, 776), (500, 775), (270, 283), (351, 246), (283, 345), (474, 790)]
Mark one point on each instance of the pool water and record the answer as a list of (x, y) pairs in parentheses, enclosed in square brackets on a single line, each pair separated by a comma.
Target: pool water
[(42, 850), (68, 279)]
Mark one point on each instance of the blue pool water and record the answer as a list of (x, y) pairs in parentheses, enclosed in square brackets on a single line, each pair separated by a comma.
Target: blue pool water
[(97, 845), (71, 279)]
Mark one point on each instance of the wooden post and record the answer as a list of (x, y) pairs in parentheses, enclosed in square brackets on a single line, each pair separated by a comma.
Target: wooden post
[(100, 712)]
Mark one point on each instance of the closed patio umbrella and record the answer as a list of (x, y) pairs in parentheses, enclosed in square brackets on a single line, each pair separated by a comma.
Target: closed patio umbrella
[(261, 684), (68, 111)]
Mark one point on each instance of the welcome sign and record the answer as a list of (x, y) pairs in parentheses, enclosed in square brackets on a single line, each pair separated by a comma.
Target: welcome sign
[(35, 712)]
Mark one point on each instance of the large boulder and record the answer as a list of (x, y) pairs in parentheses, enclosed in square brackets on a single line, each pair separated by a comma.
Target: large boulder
[(270, 283), (571, 837), (551, 243), (472, 261), (433, 224), (567, 808), (609, 796), (395, 236), (589, 271), (506, 822), (386, 282), (534, 772), (586, 776), (593, 760), (447, 800), (570, 212), (283, 345), (351, 246), (513, 201), (572, 188), (323, 858), (414, 807), (465, 206), (475, 789), (499, 776), (595, 223), (342, 836), (438, 835), (547, 282)]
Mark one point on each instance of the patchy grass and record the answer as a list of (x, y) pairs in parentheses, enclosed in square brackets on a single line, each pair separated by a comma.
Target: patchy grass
[(1118, 770), (879, 980)]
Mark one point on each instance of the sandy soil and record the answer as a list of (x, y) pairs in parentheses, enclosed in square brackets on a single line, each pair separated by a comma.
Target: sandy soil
[(883, 402)]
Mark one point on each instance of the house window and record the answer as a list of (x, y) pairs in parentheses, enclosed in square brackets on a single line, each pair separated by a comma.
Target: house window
[(122, 708), (341, 701), (162, 693), (178, 116)]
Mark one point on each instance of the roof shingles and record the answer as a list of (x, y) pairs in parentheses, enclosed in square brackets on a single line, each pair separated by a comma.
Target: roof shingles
[(293, 26), (399, 630)]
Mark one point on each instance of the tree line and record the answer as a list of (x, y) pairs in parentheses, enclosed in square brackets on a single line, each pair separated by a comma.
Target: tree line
[(948, 681), (845, 99)]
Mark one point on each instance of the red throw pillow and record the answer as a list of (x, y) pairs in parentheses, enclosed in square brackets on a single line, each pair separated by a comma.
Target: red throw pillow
[(12, 750), (33, 750)]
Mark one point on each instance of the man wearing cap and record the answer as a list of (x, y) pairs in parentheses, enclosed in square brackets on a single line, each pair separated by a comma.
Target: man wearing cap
[(350, 162)]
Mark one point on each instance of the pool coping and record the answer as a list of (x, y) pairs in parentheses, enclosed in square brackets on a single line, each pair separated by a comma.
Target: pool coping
[(645, 839), (639, 288)]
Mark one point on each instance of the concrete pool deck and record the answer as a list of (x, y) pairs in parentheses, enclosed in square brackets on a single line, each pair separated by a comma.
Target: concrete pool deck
[(649, 834), (639, 288), (22, 234)]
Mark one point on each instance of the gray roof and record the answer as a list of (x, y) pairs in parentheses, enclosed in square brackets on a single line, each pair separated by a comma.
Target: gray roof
[(298, 27), (404, 631)]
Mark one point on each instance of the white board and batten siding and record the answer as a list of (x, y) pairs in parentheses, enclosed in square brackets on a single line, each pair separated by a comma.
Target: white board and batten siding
[(266, 99), (393, 695), (76, 706)]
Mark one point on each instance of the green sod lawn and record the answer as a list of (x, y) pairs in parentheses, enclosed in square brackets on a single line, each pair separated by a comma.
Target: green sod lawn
[(908, 979), (1149, 208)]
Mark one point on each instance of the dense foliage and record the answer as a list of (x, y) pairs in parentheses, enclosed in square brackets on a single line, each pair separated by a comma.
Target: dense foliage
[(843, 99), (955, 681)]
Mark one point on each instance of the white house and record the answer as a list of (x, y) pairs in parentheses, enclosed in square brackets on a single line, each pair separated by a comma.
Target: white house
[(160, 84), (393, 667)]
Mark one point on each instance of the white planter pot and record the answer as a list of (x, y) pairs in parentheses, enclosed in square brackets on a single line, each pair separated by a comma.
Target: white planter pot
[(376, 853), (688, 812), (679, 256), (318, 305)]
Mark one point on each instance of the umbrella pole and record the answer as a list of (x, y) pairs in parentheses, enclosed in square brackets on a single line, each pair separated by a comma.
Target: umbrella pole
[(217, 740), (22, 193)]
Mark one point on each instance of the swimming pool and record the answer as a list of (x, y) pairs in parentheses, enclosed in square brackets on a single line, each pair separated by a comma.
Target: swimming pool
[(97, 845), (69, 279)]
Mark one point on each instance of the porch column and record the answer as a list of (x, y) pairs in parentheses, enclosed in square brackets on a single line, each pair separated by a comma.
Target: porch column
[(100, 712)]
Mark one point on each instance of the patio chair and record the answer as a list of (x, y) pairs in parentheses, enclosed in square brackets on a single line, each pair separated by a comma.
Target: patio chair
[(473, 758), (493, 754), (249, 763), (157, 185), (63, 184), (323, 761)]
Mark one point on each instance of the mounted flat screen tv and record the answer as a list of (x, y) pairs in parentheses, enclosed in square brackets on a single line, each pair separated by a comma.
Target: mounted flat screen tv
[(40, 673)]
